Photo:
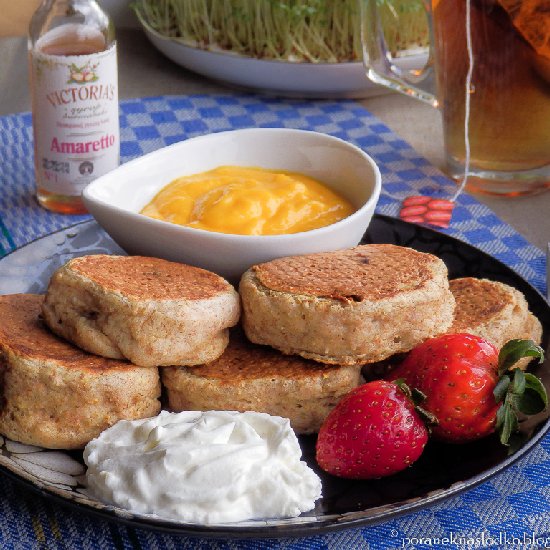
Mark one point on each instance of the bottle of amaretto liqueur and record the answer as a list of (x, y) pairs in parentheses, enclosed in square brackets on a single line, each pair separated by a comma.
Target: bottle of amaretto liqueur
[(73, 66)]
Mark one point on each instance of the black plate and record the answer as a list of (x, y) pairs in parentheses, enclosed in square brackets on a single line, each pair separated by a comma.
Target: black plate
[(442, 471)]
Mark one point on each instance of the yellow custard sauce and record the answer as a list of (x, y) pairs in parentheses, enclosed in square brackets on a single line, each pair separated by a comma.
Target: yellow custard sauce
[(248, 201)]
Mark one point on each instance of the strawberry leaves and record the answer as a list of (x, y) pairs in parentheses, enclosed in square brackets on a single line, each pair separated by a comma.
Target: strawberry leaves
[(514, 350), (416, 397), (518, 391), (535, 397)]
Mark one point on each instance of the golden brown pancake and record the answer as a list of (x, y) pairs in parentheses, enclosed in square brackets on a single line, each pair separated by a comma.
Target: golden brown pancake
[(494, 311), (348, 307), (57, 396), (249, 377), (370, 272), (150, 311), (149, 278)]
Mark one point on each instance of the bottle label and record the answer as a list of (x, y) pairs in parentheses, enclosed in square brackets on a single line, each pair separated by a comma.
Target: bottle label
[(75, 118)]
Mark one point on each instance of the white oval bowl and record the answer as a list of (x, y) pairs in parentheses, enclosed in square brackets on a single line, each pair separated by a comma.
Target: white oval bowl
[(116, 198)]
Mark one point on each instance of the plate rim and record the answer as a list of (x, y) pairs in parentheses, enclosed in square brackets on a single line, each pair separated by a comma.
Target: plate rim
[(334, 522)]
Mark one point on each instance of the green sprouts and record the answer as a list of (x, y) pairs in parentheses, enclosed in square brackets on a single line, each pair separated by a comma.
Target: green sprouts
[(316, 31)]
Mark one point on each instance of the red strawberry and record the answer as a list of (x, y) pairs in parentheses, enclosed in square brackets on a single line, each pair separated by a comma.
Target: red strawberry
[(374, 431), (464, 379)]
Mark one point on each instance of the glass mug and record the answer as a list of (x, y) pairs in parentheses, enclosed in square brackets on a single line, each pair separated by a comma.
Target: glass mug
[(490, 58)]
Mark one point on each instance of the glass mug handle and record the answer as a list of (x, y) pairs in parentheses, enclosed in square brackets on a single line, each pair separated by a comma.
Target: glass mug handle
[(385, 67)]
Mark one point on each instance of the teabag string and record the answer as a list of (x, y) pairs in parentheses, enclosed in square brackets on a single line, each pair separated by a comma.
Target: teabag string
[(438, 212), (467, 101)]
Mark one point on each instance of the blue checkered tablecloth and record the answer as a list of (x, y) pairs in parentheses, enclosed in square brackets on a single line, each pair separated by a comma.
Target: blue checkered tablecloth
[(512, 510)]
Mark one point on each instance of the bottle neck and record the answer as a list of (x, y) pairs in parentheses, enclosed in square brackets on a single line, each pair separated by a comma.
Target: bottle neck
[(58, 16)]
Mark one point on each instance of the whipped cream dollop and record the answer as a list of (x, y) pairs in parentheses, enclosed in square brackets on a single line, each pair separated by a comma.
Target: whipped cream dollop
[(203, 467)]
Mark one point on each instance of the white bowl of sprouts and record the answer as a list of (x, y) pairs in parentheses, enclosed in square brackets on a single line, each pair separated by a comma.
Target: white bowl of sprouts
[(303, 49)]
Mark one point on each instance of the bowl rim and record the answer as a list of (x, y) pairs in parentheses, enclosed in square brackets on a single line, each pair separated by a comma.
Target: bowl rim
[(369, 204)]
